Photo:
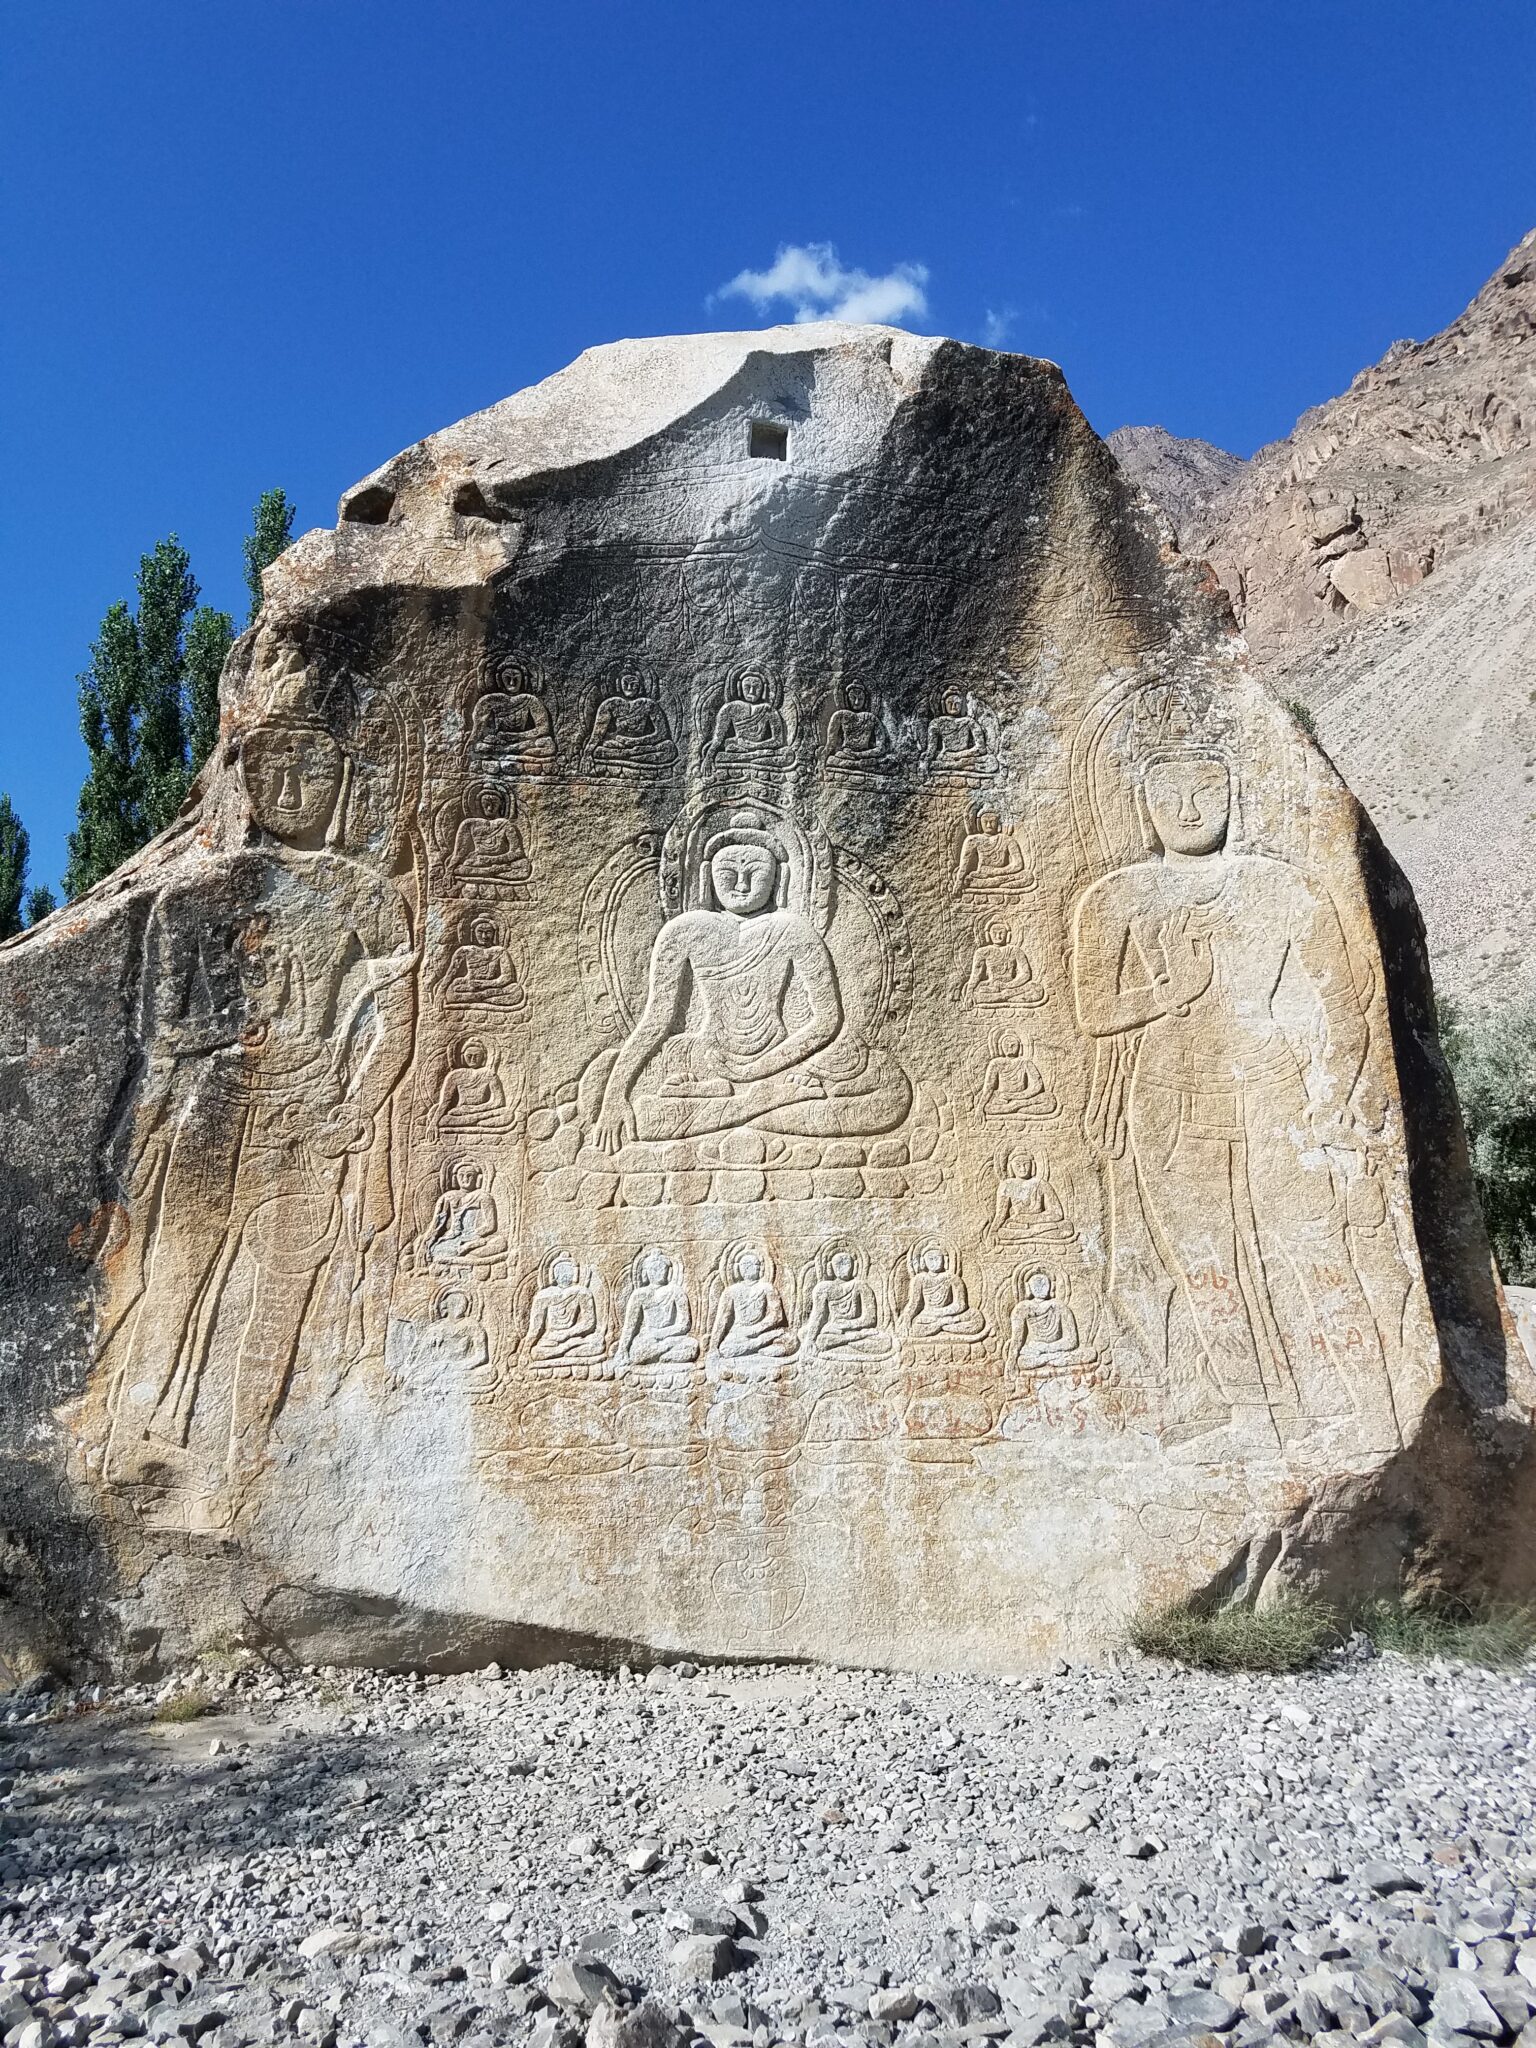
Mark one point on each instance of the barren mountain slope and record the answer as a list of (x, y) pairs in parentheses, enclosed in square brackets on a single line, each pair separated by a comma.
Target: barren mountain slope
[(1382, 563), (1184, 477)]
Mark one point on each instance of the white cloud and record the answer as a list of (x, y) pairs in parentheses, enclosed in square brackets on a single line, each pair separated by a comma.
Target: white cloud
[(809, 278), (998, 325)]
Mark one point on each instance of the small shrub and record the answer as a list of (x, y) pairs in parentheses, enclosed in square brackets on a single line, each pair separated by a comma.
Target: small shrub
[(1302, 713), (1473, 1633), (1289, 1636), (186, 1706), (1493, 1058)]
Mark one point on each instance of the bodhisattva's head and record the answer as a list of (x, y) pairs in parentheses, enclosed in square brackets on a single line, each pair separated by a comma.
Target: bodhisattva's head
[(1189, 800), (744, 877), (293, 777)]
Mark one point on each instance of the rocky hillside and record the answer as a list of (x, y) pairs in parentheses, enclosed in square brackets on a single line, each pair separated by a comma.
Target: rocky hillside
[(1382, 563), (1184, 477)]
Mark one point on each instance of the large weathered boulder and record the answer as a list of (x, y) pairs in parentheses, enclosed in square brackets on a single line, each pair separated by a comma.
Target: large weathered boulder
[(756, 1042)]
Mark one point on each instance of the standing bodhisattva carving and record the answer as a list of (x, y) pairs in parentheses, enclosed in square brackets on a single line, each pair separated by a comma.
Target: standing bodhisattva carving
[(274, 1041), (1177, 961)]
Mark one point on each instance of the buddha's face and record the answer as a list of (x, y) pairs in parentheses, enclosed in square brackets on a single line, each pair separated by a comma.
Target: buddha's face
[(292, 780), (563, 1273), (483, 932), (858, 697), (744, 878), (751, 1266), (998, 935), (466, 1177), (933, 1260), (988, 823), (1021, 1167), (631, 684), (1040, 1286), (1010, 1045), (452, 1307), (472, 1053), (492, 804), (655, 1271), (754, 687), (1190, 803), (842, 1265), (953, 703)]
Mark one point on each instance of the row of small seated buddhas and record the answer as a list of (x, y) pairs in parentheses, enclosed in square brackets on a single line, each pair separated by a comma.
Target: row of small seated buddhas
[(631, 731), (749, 1333)]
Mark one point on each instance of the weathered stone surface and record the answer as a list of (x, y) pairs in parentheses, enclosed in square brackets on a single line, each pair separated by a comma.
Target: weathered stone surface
[(756, 1042)]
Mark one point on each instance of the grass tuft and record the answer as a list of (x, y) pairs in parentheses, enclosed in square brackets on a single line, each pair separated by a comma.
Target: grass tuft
[(1485, 1633), (186, 1706), (1302, 713), (1289, 1636)]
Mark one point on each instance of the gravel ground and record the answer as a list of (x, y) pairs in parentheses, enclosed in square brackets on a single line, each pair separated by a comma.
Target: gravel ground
[(774, 1855)]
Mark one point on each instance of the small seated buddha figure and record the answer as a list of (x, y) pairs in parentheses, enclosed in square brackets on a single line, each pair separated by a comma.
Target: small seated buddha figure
[(1042, 1330), (1028, 1207), (857, 740), (958, 742), (995, 860), (657, 1331), (842, 1317), (482, 974), (488, 850), (630, 732), (1000, 976), (749, 1322), (750, 729), (1012, 1084), (454, 1349), (510, 723), (938, 1306), (465, 1234), (564, 1325), (472, 1097)]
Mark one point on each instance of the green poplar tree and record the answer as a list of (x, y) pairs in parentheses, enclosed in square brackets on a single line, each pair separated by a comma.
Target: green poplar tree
[(14, 850), (41, 903), (209, 639), (149, 699), (271, 531)]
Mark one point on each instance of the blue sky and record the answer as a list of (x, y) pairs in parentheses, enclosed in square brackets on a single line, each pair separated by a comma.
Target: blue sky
[(253, 245)]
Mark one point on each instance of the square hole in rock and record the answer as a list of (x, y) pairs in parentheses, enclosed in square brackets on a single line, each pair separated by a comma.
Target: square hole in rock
[(767, 437)]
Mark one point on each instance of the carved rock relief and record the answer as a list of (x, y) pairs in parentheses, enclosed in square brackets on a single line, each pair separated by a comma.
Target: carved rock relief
[(761, 1057)]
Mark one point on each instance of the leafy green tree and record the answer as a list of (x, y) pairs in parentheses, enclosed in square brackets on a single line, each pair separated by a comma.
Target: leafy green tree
[(149, 699), (210, 636), (14, 850), (271, 531), (1493, 1057), (41, 903)]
